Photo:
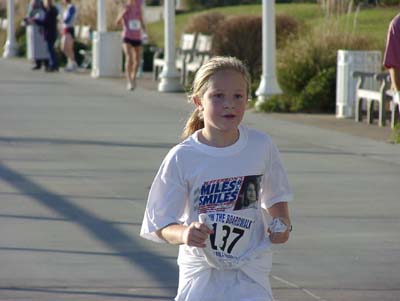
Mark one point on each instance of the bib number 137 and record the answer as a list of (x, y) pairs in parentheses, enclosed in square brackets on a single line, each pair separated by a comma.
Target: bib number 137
[(226, 237)]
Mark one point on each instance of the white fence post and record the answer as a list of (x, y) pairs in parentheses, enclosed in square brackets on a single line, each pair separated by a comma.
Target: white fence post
[(349, 61)]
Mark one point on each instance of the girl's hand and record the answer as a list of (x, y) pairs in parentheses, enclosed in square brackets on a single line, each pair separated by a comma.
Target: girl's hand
[(277, 232), (196, 234), (279, 237)]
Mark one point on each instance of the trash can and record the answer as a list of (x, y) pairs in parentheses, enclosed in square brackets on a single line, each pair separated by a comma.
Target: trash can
[(349, 61)]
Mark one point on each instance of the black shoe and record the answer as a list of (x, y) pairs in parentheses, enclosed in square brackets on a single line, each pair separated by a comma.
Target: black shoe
[(51, 69), (36, 67)]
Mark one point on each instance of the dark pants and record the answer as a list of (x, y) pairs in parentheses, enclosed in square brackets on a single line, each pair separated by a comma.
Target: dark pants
[(53, 64)]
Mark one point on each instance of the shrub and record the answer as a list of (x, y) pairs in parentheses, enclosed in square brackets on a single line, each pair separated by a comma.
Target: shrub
[(319, 94), (396, 133), (205, 4), (240, 37), (286, 27), (20, 37), (278, 103), (206, 23), (311, 58), (87, 12), (389, 2)]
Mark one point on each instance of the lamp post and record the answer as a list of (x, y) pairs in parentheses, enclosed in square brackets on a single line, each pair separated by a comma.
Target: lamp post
[(169, 77), (10, 47), (269, 83)]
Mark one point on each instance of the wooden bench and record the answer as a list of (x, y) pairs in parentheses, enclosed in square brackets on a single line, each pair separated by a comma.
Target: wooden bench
[(3, 24), (183, 55), (201, 54), (381, 97)]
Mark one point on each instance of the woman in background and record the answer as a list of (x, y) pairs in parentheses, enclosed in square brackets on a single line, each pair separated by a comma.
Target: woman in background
[(37, 47), (131, 19)]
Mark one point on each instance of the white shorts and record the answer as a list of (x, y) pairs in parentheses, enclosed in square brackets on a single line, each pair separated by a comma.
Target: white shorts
[(223, 285)]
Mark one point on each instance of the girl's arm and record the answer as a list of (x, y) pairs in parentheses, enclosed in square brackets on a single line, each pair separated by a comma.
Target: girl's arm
[(118, 21), (142, 20), (70, 14), (193, 235), (280, 210)]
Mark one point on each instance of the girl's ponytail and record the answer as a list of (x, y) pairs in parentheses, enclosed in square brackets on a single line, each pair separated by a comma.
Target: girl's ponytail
[(194, 123)]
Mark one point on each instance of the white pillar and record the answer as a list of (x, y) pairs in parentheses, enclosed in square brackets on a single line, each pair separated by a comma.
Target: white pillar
[(269, 83), (101, 16), (169, 77), (106, 50), (10, 48)]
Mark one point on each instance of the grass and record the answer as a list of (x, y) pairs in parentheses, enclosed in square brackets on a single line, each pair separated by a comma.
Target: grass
[(396, 133), (302, 12), (371, 22)]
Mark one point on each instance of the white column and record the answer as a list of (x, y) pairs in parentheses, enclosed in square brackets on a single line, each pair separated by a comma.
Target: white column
[(169, 77), (269, 83), (101, 16), (10, 48), (106, 50)]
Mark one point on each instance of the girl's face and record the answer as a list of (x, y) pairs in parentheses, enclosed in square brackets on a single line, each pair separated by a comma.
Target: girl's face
[(224, 102), (251, 193)]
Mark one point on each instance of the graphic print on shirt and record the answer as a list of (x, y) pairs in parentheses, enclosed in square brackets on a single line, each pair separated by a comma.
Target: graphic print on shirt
[(223, 200), (234, 193)]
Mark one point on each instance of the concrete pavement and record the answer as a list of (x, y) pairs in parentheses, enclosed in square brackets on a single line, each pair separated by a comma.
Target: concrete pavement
[(77, 156)]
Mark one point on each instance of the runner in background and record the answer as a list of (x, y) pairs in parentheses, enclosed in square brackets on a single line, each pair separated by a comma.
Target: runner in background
[(133, 27)]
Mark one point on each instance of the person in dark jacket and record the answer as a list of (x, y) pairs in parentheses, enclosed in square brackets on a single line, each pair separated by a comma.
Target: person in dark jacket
[(51, 33)]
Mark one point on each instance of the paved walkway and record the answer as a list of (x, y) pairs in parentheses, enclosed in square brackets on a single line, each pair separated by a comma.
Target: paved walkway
[(77, 156)]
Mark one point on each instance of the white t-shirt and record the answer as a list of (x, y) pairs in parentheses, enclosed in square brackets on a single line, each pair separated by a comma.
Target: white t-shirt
[(232, 185)]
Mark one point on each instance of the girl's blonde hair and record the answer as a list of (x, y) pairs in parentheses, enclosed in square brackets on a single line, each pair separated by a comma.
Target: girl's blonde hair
[(200, 85)]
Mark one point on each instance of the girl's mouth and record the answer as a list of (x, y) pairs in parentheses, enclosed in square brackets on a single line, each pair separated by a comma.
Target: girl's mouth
[(229, 116)]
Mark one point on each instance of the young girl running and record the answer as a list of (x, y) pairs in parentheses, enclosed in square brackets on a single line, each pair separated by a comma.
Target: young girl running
[(225, 250), (131, 19)]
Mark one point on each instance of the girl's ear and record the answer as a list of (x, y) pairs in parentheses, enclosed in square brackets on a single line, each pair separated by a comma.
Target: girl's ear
[(197, 102)]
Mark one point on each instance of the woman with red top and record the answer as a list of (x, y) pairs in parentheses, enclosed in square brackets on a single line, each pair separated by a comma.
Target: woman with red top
[(131, 19)]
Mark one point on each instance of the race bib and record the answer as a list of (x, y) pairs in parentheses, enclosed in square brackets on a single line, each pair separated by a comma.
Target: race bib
[(134, 24), (231, 236)]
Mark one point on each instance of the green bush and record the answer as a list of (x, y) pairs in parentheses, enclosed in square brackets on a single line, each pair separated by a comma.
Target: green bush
[(20, 38), (396, 133), (206, 23), (278, 103), (319, 94), (307, 66), (241, 36), (287, 28), (389, 2)]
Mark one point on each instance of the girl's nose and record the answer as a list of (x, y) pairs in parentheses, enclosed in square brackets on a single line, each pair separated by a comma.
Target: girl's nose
[(229, 103)]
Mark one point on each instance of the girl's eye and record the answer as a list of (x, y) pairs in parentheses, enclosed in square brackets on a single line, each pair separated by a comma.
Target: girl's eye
[(219, 95), (238, 96)]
